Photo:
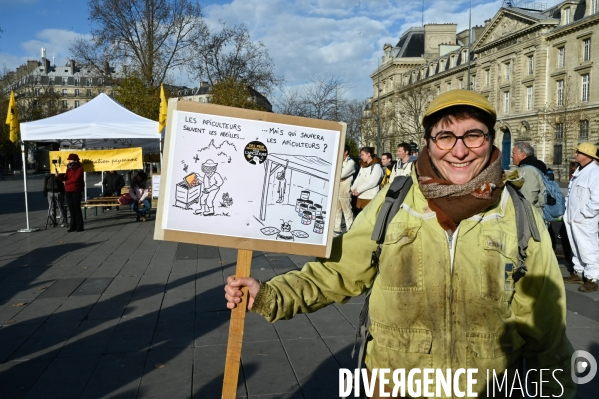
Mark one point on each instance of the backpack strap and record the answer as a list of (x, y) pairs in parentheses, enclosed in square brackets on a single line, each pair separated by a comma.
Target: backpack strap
[(526, 228), (398, 190)]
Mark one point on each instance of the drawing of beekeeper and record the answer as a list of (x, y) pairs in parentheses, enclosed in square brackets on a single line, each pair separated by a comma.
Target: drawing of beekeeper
[(210, 186)]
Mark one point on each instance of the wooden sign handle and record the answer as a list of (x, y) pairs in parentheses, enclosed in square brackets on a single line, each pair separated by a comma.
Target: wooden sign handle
[(244, 263)]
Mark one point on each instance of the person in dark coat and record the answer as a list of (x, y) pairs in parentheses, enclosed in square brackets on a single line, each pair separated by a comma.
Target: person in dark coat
[(54, 188), (112, 184), (73, 187)]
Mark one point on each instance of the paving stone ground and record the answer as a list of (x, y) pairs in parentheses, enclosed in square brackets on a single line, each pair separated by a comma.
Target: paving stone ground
[(111, 313)]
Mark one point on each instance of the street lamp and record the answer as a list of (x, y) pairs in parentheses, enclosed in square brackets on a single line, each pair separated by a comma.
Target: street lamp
[(378, 102)]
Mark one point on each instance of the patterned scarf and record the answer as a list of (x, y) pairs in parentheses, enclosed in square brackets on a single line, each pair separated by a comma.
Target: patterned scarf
[(456, 202)]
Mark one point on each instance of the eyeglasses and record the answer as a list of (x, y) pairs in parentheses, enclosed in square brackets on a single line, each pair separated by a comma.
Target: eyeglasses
[(446, 140)]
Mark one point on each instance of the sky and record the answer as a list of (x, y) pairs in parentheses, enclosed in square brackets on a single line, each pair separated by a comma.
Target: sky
[(305, 38)]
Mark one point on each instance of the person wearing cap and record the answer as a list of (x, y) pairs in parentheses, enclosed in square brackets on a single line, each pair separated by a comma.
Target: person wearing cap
[(73, 187), (582, 219), (211, 183), (441, 298)]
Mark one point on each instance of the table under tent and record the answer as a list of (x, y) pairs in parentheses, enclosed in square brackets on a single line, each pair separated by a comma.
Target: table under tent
[(102, 123)]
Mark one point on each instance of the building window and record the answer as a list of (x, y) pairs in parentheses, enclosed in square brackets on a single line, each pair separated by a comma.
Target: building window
[(508, 70), (438, 90), (531, 64), (586, 49), (585, 87), (76, 104), (448, 86), (452, 61), (100, 82), (36, 92), (594, 6), (487, 77), (529, 98), (567, 16), (77, 81), (76, 92), (64, 103), (559, 131), (559, 95), (460, 83), (473, 83), (584, 129), (561, 57), (65, 81), (65, 92), (89, 92), (506, 102), (51, 90)]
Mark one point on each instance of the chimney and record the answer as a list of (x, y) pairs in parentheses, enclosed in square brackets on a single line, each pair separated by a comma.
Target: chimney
[(203, 84), (106, 68), (72, 67), (46, 65), (43, 53)]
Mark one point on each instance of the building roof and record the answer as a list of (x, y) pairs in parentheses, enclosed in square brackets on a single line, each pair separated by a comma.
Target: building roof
[(411, 43)]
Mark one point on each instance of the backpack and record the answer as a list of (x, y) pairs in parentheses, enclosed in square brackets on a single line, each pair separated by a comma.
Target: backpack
[(555, 206), (525, 225)]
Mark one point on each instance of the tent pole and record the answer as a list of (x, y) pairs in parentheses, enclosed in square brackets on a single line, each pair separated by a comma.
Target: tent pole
[(27, 230), (160, 150), (85, 184)]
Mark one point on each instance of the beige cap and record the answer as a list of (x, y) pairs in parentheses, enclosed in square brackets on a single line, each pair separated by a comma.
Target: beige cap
[(460, 97), (588, 149)]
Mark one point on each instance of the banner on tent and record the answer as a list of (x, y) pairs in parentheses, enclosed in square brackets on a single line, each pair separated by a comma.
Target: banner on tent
[(100, 160)]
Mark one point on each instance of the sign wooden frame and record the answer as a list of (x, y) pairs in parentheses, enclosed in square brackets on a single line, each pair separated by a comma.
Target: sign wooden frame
[(245, 242)]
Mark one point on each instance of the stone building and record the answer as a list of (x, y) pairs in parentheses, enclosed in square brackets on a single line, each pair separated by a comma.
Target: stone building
[(43, 89), (72, 85), (202, 94), (538, 66)]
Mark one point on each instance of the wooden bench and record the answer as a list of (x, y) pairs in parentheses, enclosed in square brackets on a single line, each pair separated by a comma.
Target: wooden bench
[(105, 202)]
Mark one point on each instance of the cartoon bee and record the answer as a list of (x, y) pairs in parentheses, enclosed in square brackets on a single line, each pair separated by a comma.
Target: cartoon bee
[(285, 232)]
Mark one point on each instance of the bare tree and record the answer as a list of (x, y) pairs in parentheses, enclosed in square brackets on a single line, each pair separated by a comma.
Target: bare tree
[(230, 53), (410, 106), (560, 122), (151, 36), (352, 113)]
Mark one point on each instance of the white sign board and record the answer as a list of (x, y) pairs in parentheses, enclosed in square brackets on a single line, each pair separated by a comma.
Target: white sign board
[(155, 186), (250, 179)]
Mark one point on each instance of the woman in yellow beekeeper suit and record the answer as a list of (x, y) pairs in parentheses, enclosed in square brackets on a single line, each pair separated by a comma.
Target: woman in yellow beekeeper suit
[(444, 297)]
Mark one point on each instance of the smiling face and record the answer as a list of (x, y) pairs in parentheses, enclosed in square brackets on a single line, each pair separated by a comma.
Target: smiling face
[(460, 164)]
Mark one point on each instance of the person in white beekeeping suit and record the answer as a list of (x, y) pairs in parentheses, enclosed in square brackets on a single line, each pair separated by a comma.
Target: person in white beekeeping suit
[(582, 219), (211, 183)]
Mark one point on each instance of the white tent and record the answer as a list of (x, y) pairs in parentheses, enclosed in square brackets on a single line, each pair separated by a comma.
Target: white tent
[(100, 123), (101, 118)]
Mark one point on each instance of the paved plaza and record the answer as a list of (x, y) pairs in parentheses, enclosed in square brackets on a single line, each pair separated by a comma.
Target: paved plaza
[(111, 313)]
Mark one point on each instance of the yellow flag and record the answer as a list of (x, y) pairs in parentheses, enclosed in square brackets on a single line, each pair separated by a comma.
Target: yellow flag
[(12, 118), (163, 110)]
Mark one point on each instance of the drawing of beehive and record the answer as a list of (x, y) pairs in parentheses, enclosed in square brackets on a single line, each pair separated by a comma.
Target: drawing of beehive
[(188, 192)]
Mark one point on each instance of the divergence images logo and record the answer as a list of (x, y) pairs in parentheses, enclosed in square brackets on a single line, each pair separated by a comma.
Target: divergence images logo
[(583, 362)]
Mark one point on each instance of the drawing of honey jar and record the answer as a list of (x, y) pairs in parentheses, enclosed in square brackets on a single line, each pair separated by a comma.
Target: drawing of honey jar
[(318, 225), (307, 218)]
